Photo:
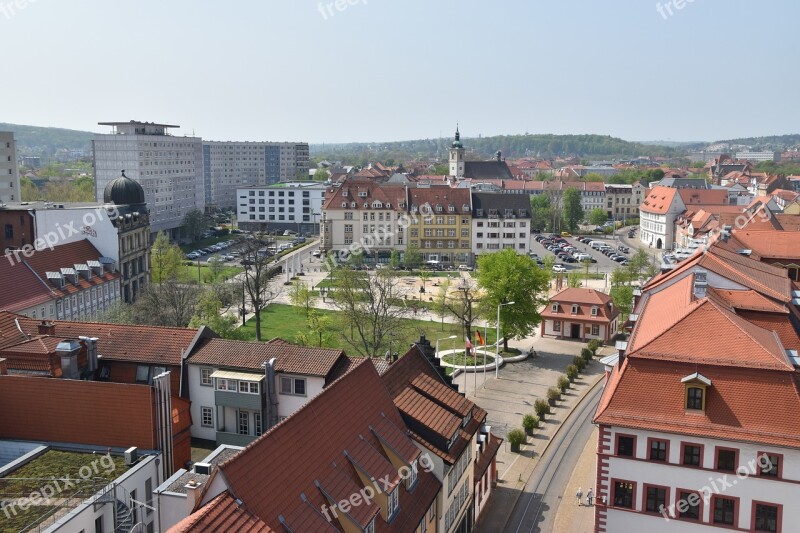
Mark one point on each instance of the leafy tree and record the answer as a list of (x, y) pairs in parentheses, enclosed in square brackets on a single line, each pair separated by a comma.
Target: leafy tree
[(321, 174), (541, 211), (593, 177), (507, 276), (194, 224), (573, 212), (412, 257), (573, 280), (394, 259), (318, 332), (462, 304), (622, 296), (301, 296), (638, 263), (172, 303), (597, 216), (207, 313), (166, 259)]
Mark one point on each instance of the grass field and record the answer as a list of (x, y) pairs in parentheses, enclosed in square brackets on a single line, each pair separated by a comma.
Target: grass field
[(286, 321), (207, 274)]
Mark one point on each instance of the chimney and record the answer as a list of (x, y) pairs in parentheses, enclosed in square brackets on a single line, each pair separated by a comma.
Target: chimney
[(46, 328), (700, 283), (3, 368), (499, 155), (91, 352), (68, 352), (192, 494)]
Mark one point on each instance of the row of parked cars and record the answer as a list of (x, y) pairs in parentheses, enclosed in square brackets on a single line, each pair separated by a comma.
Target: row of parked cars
[(618, 254), (214, 248), (563, 250)]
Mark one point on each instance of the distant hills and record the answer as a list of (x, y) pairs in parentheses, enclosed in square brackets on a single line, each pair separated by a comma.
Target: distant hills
[(35, 140)]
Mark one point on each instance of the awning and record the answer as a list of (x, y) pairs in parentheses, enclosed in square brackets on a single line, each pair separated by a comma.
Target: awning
[(238, 376)]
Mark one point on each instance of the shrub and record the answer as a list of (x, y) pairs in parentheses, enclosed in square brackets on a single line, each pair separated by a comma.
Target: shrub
[(572, 372), (563, 383), (594, 345), (553, 394), (579, 362), (515, 437), (586, 353), (530, 422), (542, 408)]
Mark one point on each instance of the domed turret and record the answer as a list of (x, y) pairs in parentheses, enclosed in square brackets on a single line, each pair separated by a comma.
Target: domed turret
[(457, 140), (123, 191)]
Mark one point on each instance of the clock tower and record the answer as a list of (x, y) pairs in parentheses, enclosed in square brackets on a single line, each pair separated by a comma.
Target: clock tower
[(457, 157)]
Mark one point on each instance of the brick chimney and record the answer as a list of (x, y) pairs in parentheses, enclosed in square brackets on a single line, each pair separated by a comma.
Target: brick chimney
[(3, 368), (192, 494), (47, 328)]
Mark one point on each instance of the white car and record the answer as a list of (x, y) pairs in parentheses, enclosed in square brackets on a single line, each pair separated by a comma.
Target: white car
[(559, 268)]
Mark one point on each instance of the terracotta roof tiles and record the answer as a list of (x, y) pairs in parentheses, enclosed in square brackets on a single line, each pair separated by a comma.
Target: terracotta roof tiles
[(223, 513)]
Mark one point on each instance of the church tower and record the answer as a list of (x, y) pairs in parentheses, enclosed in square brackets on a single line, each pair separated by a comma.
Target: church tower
[(457, 157)]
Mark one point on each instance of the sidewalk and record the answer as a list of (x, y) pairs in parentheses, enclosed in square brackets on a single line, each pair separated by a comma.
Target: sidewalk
[(570, 516), (514, 469)]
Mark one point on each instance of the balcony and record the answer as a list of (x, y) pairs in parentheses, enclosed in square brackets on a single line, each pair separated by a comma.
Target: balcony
[(234, 439)]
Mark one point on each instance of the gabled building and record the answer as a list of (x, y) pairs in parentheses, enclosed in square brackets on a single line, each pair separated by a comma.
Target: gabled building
[(241, 389), (441, 223), (461, 169), (500, 221), (580, 314), (698, 419)]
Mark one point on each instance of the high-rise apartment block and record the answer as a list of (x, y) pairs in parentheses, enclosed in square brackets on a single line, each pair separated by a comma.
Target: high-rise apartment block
[(9, 173)]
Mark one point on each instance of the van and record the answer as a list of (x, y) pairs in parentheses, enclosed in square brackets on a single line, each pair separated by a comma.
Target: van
[(596, 245)]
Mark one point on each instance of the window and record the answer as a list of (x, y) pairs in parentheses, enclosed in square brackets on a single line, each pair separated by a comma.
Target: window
[(257, 425), (293, 386), (148, 495), (655, 498), (624, 494), (142, 374), (770, 464), (227, 385), (659, 450), (423, 526), (412, 476), (594, 311), (244, 423), (98, 524), (688, 505), (766, 517), (626, 445), (574, 309), (595, 329), (370, 527), (724, 511), (694, 398), (134, 507), (205, 377), (9, 231), (557, 325), (726, 459), (393, 502), (248, 387), (207, 417), (432, 511), (692, 454)]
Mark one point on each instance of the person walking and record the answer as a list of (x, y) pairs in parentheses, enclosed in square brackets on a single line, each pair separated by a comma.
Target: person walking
[(589, 497), (579, 495)]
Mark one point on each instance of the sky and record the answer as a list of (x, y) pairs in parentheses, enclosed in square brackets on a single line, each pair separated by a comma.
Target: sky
[(384, 70)]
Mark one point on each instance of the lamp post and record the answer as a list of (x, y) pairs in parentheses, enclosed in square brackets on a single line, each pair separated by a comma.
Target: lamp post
[(442, 339), (497, 342)]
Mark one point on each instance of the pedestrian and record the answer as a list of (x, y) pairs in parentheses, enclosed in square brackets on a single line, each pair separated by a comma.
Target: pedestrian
[(579, 495), (589, 497)]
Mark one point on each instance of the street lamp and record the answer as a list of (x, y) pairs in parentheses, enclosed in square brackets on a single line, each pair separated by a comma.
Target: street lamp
[(497, 342), (442, 339)]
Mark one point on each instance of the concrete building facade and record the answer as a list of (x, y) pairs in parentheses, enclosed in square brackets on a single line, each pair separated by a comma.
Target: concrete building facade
[(9, 172), (295, 206)]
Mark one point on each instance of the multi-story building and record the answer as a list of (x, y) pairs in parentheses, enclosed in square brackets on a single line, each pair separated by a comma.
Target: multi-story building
[(698, 418), (580, 314), (229, 166), (623, 201), (9, 170), (119, 229), (657, 215), (360, 212), (440, 223), (240, 390), (758, 156), (295, 206), (500, 221), (169, 169)]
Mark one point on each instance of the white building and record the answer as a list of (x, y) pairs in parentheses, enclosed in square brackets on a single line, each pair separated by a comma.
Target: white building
[(698, 419), (657, 215), (9, 171), (229, 166), (500, 221), (294, 206), (758, 156), (169, 169)]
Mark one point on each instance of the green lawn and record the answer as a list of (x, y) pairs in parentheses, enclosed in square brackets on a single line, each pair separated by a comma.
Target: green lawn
[(286, 321), (189, 272)]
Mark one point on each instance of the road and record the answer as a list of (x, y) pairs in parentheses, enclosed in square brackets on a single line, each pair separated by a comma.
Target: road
[(536, 508)]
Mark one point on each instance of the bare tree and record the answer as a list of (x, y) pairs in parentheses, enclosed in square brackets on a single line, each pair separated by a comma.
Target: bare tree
[(257, 275), (169, 304), (463, 305), (369, 306)]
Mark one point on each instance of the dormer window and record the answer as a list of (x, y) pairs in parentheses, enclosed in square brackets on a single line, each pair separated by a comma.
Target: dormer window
[(451, 208), (344, 204), (696, 386), (466, 419), (362, 194), (393, 503), (555, 308), (370, 527), (344, 193), (452, 440), (594, 310), (411, 480), (439, 208), (574, 309), (479, 212)]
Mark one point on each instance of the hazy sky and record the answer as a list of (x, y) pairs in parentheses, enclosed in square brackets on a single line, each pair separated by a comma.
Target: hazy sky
[(376, 70)]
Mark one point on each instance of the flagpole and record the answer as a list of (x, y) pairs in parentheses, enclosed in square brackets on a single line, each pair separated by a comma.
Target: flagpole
[(466, 348), (484, 355)]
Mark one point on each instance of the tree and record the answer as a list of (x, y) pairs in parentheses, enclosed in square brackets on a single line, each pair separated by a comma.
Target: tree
[(166, 259), (367, 303), (573, 280), (507, 276), (412, 258), (394, 259), (597, 216), (321, 174), (257, 275), (301, 296), (622, 296), (170, 304), (318, 330), (194, 224), (573, 211), (638, 263), (540, 211), (208, 314), (440, 302), (462, 304)]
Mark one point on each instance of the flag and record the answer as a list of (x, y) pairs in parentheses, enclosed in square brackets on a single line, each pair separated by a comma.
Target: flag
[(480, 337)]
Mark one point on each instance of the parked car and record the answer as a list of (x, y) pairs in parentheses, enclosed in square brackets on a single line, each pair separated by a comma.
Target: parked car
[(192, 256), (559, 268), (570, 259), (316, 253), (623, 249), (229, 257), (464, 268)]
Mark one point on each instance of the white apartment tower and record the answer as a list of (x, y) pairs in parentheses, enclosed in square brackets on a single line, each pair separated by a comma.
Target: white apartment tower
[(9, 173), (169, 169)]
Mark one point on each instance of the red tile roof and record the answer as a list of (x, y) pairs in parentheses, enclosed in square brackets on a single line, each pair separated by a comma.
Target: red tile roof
[(770, 244), (350, 191), (586, 300), (459, 199), (289, 358), (659, 200), (223, 513), (67, 256), (306, 453), (28, 289)]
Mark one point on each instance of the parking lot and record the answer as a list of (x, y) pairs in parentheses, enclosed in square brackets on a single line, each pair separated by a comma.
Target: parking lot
[(570, 259)]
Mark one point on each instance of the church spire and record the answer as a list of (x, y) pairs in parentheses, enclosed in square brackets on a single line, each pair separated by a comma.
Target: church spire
[(458, 135)]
